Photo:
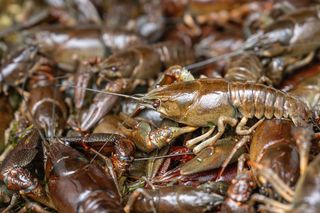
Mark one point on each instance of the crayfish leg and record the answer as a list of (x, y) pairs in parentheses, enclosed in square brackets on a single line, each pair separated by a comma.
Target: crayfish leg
[(135, 195), (13, 202), (109, 169), (239, 144), (273, 204), (303, 140), (196, 140), (34, 207), (300, 63), (222, 121), (275, 180), (241, 130)]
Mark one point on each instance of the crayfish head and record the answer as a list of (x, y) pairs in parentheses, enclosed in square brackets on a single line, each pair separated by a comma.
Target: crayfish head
[(167, 108), (171, 101), (120, 65), (170, 109)]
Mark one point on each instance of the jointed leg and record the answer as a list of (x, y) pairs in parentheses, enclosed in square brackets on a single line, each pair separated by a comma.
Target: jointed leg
[(239, 144), (196, 140), (110, 168), (240, 129), (34, 207), (268, 208), (275, 181), (221, 128), (270, 202), (13, 202), (134, 196), (299, 63), (148, 182), (241, 161), (303, 137)]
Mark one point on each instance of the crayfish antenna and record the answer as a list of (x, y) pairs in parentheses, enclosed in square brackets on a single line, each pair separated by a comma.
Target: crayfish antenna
[(104, 92), (133, 97), (214, 59), (248, 44), (163, 156)]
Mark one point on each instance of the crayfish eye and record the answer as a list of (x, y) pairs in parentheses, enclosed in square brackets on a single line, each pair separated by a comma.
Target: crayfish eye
[(156, 103), (114, 69)]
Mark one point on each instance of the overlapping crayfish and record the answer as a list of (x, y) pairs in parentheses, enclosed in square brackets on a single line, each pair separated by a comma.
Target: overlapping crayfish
[(159, 106)]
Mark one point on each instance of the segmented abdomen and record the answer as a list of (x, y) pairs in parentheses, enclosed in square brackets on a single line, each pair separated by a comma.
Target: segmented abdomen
[(172, 53), (257, 100), (118, 40), (245, 68)]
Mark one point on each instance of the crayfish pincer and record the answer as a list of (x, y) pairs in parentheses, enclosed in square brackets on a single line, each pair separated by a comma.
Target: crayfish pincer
[(305, 198), (16, 172), (76, 185)]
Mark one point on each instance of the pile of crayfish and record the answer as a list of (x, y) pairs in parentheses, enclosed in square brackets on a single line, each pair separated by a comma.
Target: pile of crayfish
[(159, 106)]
